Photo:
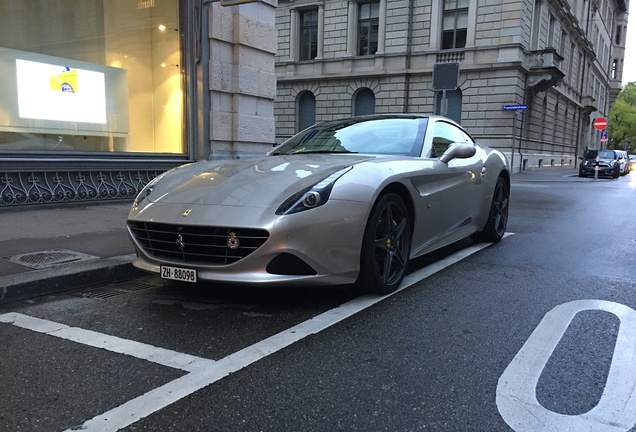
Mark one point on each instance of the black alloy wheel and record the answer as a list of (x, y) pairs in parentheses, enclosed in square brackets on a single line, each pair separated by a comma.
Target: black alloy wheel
[(386, 246), (495, 227)]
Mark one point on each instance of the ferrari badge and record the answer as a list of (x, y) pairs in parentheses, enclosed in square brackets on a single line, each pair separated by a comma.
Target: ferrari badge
[(233, 241)]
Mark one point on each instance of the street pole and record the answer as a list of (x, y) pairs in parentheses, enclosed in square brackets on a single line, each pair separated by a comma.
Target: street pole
[(514, 137), (516, 108)]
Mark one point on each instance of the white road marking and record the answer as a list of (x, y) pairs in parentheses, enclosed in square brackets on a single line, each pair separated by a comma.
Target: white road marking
[(615, 411), (204, 372), (138, 350)]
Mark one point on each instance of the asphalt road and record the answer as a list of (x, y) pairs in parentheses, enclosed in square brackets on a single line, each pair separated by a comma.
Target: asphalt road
[(535, 333)]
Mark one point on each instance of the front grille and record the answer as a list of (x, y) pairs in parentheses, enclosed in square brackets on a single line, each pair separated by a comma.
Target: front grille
[(196, 244)]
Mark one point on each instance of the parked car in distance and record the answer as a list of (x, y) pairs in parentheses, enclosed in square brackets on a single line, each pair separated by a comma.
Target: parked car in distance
[(623, 159), (632, 162), (606, 160)]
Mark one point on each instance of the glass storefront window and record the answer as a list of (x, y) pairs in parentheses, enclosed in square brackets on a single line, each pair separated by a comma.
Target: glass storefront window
[(91, 76)]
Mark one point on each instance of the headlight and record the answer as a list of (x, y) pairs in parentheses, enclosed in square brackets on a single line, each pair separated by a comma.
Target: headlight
[(147, 190), (312, 197)]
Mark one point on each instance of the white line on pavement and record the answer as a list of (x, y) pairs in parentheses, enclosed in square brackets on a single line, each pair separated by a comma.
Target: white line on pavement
[(517, 387), (205, 372), (138, 350)]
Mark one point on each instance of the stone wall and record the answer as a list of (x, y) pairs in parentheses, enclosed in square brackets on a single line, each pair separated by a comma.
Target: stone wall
[(243, 43)]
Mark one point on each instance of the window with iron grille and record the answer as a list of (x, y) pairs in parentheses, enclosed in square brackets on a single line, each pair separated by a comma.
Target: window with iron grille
[(308, 35), (455, 24), (368, 23)]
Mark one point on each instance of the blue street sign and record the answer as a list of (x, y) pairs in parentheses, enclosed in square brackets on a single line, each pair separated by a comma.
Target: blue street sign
[(604, 136), (514, 107)]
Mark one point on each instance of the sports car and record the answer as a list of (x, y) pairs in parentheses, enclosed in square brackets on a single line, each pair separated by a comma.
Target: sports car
[(348, 201)]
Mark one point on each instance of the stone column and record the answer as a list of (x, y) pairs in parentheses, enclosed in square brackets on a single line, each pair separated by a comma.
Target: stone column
[(351, 28), (242, 79), (381, 27), (293, 35), (321, 32)]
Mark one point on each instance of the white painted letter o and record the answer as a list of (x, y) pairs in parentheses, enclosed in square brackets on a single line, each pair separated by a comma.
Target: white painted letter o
[(615, 411)]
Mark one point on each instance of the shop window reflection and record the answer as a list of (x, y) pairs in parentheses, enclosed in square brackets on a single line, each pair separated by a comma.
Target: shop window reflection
[(120, 39)]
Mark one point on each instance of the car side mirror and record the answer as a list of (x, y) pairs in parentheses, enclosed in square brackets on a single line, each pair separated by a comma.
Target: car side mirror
[(458, 151)]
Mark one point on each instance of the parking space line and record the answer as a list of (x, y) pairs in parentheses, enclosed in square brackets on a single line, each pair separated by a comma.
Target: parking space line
[(138, 350), (205, 372)]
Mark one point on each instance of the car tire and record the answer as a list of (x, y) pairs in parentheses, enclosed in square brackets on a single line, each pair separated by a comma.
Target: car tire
[(497, 222), (617, 173), (386, 246)]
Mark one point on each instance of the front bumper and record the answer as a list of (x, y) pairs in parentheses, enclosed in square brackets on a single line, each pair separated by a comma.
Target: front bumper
[(327, 239), (602, 171)]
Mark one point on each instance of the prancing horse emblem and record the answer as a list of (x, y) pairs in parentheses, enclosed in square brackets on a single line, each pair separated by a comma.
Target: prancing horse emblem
[(180, 243), (233, 241)]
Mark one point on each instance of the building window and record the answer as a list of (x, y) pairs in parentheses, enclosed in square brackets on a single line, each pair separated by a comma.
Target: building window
[(455, 24), (306, 110), (544, 113), (368, 23), (308, 35), (98, 77), (364, 102), (551, 24), (536, 25), (619, 40), (614, 73)]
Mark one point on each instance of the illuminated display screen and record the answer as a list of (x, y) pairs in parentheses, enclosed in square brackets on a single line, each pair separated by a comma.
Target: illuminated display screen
[(56, 92)]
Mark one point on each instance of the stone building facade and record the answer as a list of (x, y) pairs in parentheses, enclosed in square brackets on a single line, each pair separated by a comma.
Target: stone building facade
[(554, 65)]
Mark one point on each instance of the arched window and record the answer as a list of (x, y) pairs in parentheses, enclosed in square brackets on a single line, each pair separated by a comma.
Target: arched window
[(363, 102), (306, 110), (453, 104)]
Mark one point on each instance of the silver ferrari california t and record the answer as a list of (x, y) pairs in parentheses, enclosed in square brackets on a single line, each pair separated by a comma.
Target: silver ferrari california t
[(342, 202)]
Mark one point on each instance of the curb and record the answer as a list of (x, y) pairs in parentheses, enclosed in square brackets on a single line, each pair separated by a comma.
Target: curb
[(66, 277)]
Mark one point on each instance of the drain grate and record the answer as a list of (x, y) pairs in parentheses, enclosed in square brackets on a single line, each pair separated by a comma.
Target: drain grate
[(49, 258), (114, 290)]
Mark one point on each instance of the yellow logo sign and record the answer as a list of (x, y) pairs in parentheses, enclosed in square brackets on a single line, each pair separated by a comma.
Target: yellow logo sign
[(65, 82), (187, 212)]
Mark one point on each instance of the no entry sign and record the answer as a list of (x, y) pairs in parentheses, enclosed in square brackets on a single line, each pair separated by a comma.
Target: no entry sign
[(600, 123)]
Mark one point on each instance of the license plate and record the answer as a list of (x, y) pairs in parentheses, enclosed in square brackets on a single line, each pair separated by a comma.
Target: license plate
[(178, 274)]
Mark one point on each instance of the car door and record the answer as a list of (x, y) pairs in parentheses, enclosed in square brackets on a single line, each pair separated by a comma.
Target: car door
[(621, 161), (457, 183)]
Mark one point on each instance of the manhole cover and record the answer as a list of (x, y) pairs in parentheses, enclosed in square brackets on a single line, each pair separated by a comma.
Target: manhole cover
[(45, 259)]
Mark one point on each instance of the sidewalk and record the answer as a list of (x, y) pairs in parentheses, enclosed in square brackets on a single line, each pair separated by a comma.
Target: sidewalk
[(44, 250), (547, 174)]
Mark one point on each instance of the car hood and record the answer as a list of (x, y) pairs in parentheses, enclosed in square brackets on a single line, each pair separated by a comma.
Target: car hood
[(260, 182)]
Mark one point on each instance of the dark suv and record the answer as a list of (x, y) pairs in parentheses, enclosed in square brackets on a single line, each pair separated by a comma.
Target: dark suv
[(606, 160)]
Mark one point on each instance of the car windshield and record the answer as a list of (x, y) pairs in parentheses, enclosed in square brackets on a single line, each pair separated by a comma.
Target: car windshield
[(606, 154), (385, 136)]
